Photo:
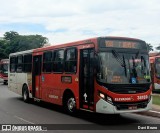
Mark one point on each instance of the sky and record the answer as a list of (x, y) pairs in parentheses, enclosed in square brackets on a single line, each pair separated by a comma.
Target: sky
[(63, 21)]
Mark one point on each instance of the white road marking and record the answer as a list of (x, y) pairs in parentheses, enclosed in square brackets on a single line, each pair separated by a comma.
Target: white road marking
[(154, 111), (23, 119)]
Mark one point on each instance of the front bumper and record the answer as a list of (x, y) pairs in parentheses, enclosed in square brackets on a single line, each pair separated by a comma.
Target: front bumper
[(104, 107)]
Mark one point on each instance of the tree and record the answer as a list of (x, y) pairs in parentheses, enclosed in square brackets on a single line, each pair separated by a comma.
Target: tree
[(158, 48), (150, 47), (10, 35), (3, 46), (16, 42)]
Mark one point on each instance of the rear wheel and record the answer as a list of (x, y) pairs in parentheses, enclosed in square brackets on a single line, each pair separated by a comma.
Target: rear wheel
[(5, 82), (25, 94)]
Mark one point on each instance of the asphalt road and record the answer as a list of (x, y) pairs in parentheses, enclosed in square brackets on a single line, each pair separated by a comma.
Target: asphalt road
[(14, 111)]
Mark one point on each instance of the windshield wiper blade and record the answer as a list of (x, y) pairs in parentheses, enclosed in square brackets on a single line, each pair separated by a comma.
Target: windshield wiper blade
[(120, 60), (142, 58), (117, 57), (137, 54), (134, 68), (125, 69)]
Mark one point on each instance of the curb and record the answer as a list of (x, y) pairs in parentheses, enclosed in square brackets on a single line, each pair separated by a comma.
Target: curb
[(155, 112), (150, 113)]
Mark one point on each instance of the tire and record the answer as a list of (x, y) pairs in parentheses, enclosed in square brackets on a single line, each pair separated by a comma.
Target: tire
[(70, 105), (5, 82), (25, 94)]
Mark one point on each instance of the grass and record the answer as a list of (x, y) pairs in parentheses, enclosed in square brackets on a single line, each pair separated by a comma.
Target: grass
[(156, 99)]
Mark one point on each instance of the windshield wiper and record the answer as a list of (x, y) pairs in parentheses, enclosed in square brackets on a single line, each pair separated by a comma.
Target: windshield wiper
[(144, 62), (137, 54), (117, 57), (134, 68), (120, 60), (125, 69)]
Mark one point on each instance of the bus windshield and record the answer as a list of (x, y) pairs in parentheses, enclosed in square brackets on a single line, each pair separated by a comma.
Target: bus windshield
[(5, 68), (123, 68)]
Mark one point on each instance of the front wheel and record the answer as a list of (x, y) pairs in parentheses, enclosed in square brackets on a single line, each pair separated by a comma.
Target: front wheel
[(25, 94), (70, 105)]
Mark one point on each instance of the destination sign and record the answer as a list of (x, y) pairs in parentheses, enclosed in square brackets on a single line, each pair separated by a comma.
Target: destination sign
[(123, 44)]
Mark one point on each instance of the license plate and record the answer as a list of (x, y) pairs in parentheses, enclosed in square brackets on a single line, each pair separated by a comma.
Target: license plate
[(132, 107)]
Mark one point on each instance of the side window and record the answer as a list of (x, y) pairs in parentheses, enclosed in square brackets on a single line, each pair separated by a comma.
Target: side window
[(20, 63), (47, 61), (12, 64), (71, 60), (27, 63), (58, 61)]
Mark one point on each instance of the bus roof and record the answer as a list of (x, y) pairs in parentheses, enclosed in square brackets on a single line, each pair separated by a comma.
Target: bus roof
[(22, 52), (86, 41), (4, 61), (155, 54)]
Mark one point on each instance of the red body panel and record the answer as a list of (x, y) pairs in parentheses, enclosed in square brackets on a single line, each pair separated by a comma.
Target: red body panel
[(2, 75), (152, 60)]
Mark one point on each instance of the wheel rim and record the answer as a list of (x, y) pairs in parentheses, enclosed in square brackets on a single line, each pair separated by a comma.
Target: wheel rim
[(71, 104)]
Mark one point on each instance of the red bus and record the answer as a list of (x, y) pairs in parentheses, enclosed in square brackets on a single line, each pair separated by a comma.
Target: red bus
[(104, 74), (4, 70), (155, 70)]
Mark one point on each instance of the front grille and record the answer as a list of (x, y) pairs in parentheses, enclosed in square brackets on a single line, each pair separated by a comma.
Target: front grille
[(127, 88), (126, 106)]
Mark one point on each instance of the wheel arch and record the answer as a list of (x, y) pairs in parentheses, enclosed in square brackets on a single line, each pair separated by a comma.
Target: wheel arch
[(68, 92)]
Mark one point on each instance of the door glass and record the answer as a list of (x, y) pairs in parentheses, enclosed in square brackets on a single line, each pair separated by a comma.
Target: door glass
[(87, 87)]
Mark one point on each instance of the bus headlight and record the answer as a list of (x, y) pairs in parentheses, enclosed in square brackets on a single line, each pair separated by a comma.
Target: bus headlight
[(105, 97), (102, 95)]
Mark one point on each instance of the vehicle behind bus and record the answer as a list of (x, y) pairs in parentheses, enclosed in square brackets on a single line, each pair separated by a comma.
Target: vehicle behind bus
[(109, 75), (4, 70), (155, 70)]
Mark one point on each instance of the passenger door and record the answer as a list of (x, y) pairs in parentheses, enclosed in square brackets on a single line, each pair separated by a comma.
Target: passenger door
[(36, 81), (87, 79)]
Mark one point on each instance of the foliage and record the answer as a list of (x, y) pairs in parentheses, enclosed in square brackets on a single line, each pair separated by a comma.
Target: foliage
[(13, 42), (156, 99), (3, 46), (150, 47), (158, 48)]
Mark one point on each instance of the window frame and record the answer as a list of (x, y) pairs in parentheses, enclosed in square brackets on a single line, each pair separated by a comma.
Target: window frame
[(15, 64), (22, 63), (27, 63), (76, 59), (45, 62), (56, 50)]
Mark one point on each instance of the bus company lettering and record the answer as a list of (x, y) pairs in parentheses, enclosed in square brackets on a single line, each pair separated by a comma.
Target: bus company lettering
[(124, 99), (143, 97), (53, 96)]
